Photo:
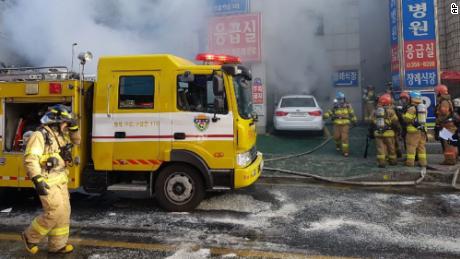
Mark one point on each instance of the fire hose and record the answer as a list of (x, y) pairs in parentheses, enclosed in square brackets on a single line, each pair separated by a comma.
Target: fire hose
[(454, 180), (342, 181), (345, 181)]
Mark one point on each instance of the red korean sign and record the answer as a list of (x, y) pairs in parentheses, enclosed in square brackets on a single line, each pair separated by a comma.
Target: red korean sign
[(257, 92), (420, 54), (238, 35)]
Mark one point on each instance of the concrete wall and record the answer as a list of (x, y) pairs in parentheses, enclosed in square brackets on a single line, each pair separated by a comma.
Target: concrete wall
[(449, 35), (342, 37)]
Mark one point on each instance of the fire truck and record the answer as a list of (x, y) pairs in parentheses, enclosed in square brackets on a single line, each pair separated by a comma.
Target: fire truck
[(159, 124)]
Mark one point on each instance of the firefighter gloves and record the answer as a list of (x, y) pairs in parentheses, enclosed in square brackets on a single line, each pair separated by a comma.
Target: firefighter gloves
[(40, 185)]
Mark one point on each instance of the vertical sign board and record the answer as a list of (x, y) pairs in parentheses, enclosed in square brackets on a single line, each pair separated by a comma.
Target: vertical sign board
[(346, 78), (238, 35), (419, 48), (258, 96), (394, 30), (226, 7)]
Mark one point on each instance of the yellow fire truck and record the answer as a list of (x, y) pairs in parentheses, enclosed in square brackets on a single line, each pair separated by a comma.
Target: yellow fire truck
[(154, 123)]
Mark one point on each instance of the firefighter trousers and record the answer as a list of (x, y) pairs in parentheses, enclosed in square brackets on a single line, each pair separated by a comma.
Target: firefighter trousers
[(368, 111), (386, 150), (415, 143), (450, 154), (54, 221), (341, 137)]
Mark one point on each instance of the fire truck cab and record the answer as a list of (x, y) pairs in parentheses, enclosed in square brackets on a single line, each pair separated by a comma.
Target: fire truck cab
[(154, 123)]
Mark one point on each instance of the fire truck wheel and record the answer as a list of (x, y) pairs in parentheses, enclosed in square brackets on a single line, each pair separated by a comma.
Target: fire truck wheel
[(179, 188)]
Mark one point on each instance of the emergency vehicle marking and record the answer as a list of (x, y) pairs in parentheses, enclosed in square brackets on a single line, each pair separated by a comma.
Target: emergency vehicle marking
[(137, 130), (136, 162)]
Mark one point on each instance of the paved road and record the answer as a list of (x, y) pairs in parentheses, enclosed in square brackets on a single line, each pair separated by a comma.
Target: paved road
[(286, 219)]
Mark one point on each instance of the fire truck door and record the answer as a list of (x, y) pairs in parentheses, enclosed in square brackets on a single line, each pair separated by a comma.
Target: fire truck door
[(135, 120)]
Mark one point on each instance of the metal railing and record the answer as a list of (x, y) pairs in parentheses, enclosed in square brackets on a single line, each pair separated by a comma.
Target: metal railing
[(21, 74)]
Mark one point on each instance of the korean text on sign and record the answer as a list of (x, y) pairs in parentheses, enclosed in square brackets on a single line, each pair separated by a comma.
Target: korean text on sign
[(346, 78), (419, 30), (237, 35)]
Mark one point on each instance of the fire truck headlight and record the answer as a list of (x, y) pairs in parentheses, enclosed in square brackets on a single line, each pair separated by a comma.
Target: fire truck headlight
[(243, 159)]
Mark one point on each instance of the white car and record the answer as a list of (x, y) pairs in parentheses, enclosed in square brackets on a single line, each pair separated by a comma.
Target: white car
[(298, 112)]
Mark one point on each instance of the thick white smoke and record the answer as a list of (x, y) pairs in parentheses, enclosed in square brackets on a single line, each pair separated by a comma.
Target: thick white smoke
[(294, 47), (42, 31)]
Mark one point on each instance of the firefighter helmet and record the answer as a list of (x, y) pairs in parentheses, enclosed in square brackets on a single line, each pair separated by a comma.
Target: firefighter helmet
[(385, 100), (441, 90), (404, 95), (57, 114), (340, 96), (415, 97)]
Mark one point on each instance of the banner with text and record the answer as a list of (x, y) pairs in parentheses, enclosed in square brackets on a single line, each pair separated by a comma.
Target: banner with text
[(238, 35), (420, 50), (395, 32)]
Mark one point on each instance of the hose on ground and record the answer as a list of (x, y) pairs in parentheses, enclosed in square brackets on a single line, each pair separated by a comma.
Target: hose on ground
[(301, 154), (358, 183), (454, 180)]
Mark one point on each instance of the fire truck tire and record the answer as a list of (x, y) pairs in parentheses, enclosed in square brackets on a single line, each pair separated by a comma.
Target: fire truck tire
[(179, 187)]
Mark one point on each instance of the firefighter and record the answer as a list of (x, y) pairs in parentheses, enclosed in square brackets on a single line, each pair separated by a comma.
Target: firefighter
[(444, 120), (401, 108), (389, 90), (46, 158), (415, 119), (385, 126), (342, 115), (369, 102)]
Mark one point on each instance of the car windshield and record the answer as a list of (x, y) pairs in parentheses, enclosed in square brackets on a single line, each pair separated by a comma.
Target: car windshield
[(243, 92), (297, 102)]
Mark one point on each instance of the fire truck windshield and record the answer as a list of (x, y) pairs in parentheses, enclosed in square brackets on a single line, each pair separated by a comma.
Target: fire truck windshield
[(243, 92)]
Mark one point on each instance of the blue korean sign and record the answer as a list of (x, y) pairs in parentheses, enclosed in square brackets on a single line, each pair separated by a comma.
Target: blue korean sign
[(226, 7), (394, 22), (346, 78), (421, 78), (394, 36), (420, 46), (418, 20), (429, 99)]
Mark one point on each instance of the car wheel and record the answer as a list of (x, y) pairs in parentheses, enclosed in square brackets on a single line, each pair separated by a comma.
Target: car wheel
[(179, 188)]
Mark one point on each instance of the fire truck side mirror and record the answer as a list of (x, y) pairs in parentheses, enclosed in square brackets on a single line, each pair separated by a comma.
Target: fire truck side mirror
[(218, 85)]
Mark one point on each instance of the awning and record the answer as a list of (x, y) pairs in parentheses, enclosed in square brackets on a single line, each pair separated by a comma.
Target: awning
[(451, 75)]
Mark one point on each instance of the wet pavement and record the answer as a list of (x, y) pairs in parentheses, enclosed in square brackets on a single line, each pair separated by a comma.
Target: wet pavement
[(272, 219)]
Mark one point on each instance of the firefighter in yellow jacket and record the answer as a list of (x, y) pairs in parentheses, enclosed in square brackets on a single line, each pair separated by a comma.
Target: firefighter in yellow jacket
[(47, 155), (415, 119), (342, 115), (385, 126), (369, 102), (444, 120)]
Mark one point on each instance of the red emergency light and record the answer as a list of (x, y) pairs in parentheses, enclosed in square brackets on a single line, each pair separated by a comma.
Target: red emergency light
[(55, 88), (220, 59)]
